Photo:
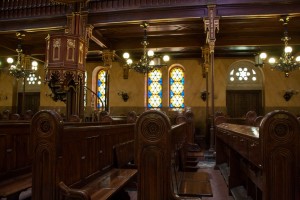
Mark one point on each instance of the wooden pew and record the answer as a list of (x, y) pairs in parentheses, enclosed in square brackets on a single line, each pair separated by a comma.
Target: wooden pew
[(193, 150), (156, 143), (76, 162), (261, 163), (15, 158)]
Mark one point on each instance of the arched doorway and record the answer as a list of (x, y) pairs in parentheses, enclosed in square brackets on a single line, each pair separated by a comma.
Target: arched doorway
[(244, 89)]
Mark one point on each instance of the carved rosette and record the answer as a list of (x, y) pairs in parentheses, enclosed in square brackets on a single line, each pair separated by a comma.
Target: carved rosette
[(45, 137), (279, 136), (153, 127)]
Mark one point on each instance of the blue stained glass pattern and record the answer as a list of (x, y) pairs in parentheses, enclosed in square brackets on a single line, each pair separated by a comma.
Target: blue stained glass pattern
[(177, 88), (101, 88), (154, 89)]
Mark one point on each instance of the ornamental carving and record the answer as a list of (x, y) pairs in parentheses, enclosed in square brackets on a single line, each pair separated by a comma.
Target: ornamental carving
[(153, 127), (56, 49)]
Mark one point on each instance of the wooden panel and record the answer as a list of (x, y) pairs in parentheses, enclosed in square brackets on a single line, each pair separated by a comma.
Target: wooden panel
[(3, 153), (239, 102), (273, 158), (14, 149), (72, 154)]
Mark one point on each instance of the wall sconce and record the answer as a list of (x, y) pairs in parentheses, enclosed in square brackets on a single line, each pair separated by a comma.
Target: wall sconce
[(124, 96), (49, 95), (289, 93), (3, 97), (204, 95)]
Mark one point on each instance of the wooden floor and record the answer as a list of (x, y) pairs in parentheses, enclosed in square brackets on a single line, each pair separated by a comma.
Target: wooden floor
[(219, 187)]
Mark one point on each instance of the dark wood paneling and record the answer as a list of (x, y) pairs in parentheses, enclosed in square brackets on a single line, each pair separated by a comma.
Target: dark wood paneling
[(32, 102), (239, 102)]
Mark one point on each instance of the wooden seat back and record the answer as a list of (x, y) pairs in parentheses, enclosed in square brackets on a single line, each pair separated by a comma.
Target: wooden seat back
[(74, 155), (124, 154), (156, 141), (15, 156)]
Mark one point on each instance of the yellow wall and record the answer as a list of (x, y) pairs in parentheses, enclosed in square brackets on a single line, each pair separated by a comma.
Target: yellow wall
[(274, 86)]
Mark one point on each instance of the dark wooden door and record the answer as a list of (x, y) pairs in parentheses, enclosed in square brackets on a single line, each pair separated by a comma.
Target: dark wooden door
[(239, 102), (32, 102)]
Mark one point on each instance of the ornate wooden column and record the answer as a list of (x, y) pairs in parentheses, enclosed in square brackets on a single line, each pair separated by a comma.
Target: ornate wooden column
[(211, 24), (205, 66), (65, 63)]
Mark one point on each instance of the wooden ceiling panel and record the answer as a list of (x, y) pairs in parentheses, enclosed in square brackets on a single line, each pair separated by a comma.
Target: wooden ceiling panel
[(245, 28)]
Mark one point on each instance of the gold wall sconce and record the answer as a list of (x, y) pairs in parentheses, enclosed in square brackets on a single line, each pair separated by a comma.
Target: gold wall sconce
[(3, 97), (289, 93), (124, 96), (204, 95)]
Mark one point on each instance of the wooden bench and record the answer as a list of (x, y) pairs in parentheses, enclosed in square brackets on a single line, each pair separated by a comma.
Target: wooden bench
[(263, 162), (15, 159), (156, 144), (76, 162)]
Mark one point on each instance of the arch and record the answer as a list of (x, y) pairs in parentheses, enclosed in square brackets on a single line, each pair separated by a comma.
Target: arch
[(243, 75), (104, 84), (244, 90)]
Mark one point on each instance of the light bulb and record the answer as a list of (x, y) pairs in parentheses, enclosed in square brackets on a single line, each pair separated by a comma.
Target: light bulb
[(126, 55), (150, 53), (10, 60), (263, 56), (129, 61), (298, 58), (166, 58), (272, 60), (288, 49), (34, 64)]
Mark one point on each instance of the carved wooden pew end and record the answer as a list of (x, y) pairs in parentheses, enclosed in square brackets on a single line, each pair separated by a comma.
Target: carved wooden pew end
[(156, 144), (262, 158), (75, 160)]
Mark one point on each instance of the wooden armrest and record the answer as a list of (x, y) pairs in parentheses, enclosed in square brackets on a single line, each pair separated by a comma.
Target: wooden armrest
[(70, 193), (15, 185)]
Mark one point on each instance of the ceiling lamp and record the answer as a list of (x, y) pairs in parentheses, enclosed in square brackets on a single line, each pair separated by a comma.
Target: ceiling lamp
[(21, 68), (149, 60), (286, 63)]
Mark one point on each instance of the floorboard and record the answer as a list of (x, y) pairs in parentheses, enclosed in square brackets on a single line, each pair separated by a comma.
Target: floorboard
[(218, 184)]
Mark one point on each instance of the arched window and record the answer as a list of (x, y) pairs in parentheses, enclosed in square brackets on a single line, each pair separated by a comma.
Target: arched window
[(102, 89), (243, 74), (154, 88), (244, 91), (176, 84)]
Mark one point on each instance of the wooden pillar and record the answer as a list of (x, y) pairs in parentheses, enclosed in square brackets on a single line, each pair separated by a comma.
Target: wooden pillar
[(211, 24), (205, 65)]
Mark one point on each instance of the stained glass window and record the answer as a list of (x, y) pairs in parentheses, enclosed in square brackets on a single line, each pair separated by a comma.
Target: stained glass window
[(154, 84), (102, 89), (176, 87), (243, 74)]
